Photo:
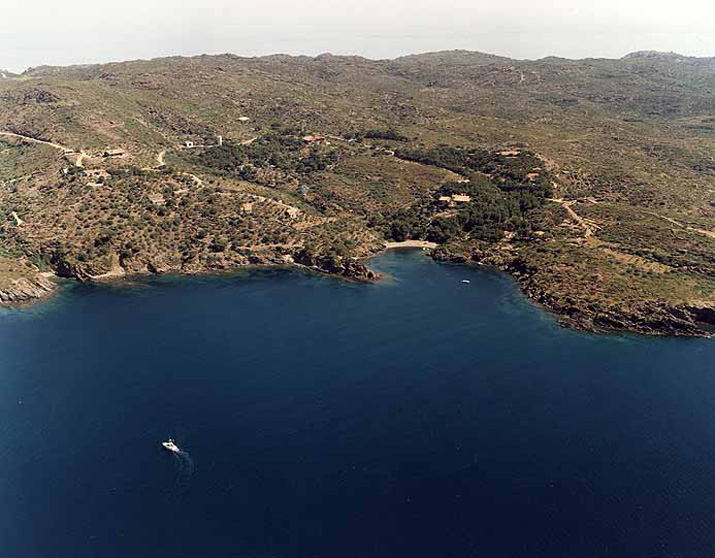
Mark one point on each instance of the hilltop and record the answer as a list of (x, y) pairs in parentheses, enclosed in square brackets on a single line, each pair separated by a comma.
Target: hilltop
[(591, 181)]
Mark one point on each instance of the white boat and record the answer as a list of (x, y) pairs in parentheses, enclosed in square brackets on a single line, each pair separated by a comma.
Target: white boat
[(171, 446), (466, 281)]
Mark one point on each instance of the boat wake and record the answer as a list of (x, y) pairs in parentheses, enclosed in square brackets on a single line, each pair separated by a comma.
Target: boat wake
[(185, 465), (186, 468)]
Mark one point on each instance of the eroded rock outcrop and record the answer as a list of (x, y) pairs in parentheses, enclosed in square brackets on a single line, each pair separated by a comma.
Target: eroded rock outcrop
[(26, 289), (350, 268)]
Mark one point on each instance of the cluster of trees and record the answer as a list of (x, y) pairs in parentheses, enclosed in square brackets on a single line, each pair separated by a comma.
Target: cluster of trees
[(280, 151), (390, 135), (511, 171), (510, 198), (455, 159), (486, 218)]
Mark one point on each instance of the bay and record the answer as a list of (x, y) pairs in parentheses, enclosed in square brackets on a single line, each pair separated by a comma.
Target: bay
[(418, 416)]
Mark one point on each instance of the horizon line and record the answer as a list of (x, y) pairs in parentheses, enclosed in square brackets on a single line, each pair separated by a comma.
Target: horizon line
[(328, 53)]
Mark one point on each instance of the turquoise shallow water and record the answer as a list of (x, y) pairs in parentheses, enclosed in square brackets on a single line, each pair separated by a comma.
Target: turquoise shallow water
[(415, 417)]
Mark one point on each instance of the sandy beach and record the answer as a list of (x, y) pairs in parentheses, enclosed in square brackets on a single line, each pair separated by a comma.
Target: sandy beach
[(411, 244)]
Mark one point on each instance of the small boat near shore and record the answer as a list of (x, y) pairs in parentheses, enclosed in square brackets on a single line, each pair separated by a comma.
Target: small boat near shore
[(466, 281), (171, 446)]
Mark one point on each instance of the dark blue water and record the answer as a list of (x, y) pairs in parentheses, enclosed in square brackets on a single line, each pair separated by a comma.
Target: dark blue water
[(418, 417)]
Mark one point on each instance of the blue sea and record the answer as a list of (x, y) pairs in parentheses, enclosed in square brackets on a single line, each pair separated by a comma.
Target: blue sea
[(415, 417)]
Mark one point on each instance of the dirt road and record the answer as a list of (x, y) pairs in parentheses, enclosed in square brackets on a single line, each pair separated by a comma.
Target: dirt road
[(35, 140), (195, 178), (709, 234), (588, 226), (17, 219), (80, 159)]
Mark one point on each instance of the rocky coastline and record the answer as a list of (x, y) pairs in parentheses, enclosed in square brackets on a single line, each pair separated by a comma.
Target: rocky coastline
[(687, 319), (32, 288), (26, 289), (692, 319)]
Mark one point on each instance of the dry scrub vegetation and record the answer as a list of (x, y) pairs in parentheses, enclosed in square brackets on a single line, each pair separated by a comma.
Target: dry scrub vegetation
[(592, 181)]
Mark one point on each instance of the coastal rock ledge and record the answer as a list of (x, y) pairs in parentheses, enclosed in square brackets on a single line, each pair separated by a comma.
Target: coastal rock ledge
[(26, 289)]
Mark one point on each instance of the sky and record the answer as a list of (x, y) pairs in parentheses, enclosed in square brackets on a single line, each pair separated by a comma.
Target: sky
[(38, 32)]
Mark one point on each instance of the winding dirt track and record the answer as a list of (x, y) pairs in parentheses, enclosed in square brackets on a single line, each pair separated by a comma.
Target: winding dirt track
[(80, 159), (710, 234), (587, 226), (35, 140), (195, 178)]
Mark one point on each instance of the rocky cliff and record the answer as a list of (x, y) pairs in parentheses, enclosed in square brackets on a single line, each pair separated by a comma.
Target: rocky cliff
[(26, 289)]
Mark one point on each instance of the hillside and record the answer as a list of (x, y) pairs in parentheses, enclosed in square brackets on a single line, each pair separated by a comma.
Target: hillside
[(591, 181)]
